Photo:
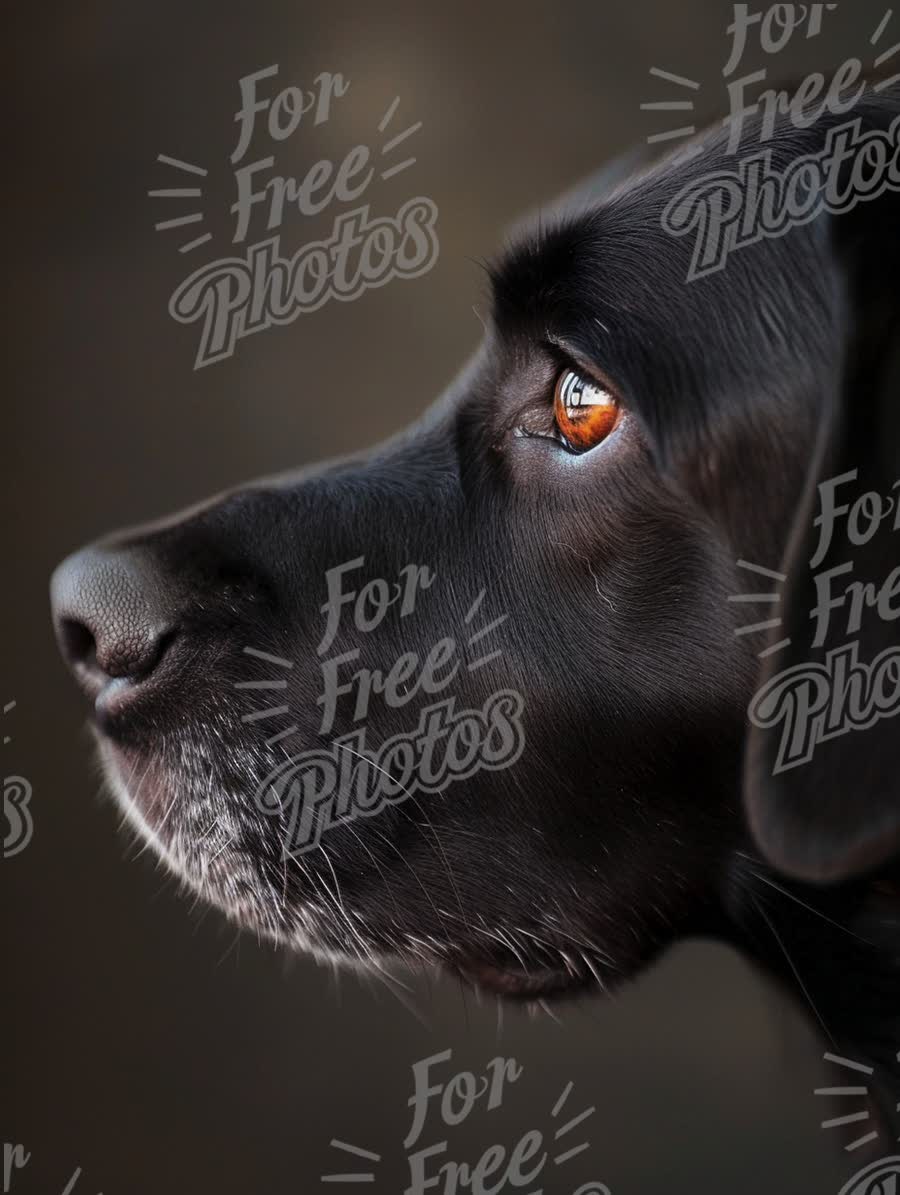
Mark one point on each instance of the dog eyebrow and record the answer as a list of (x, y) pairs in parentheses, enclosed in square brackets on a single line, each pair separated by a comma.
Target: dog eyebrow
[(536, 279), (568, 288)]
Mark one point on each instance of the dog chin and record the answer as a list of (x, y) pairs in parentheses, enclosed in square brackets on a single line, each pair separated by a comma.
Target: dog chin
[(137, 788), (195, 839)]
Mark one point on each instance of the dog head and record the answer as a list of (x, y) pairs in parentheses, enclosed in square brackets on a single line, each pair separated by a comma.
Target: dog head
[(480, 697)]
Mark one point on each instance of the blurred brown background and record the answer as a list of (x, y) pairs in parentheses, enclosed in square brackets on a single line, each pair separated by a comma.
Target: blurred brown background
[(142, 1041)]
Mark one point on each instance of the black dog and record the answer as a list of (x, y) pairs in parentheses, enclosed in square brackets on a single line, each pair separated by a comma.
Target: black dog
[(549, 558)]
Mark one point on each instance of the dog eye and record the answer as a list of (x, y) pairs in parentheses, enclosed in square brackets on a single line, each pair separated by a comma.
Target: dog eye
[(585, 413)]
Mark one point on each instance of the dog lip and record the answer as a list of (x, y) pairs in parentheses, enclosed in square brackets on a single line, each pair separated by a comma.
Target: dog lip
[(117, 699), (113, 698), (516, 982)]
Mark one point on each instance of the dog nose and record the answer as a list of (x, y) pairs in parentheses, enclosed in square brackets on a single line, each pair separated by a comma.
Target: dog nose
[(111, 615)]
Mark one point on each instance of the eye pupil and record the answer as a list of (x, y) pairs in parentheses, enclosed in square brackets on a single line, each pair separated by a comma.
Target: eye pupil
[(585, 412)]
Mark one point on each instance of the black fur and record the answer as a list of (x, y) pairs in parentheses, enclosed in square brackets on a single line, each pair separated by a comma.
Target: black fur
[(622, 826)]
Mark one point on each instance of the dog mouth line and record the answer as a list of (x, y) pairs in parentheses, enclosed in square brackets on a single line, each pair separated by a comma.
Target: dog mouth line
[(517, 982)]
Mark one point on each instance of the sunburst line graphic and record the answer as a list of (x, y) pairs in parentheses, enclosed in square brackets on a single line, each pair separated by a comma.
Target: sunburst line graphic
[(179, 165), (492, 626), (853, 1090), (390, 146), (885, 21), (177, 193), (481, 634), (759, 626), (260, 715), (566, 1092), (769, 598), (568, 1154), (850, 1064), (356, 1151), (887, 55), (474, 608), (10, 705), (268, 657), (181, 193), (389, 115), (672, 106), (763, 572), (679, 79), (194, 218), (576, 1120), (774, 649), (262, 686), (282, 735)]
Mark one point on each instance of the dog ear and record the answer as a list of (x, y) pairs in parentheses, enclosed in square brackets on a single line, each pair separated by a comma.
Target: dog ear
[(822, 770)]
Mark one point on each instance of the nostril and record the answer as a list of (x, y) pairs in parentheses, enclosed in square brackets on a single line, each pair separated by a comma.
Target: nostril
[(78, 643), (157, 650), (113, 615)]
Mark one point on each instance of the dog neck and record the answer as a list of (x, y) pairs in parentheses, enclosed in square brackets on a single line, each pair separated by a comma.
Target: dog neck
[(837, 950)]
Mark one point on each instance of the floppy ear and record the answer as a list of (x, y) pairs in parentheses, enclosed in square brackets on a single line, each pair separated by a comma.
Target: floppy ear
[(822, 772)]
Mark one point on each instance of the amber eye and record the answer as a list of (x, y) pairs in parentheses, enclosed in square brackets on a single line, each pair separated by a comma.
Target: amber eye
[(585, 413)]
